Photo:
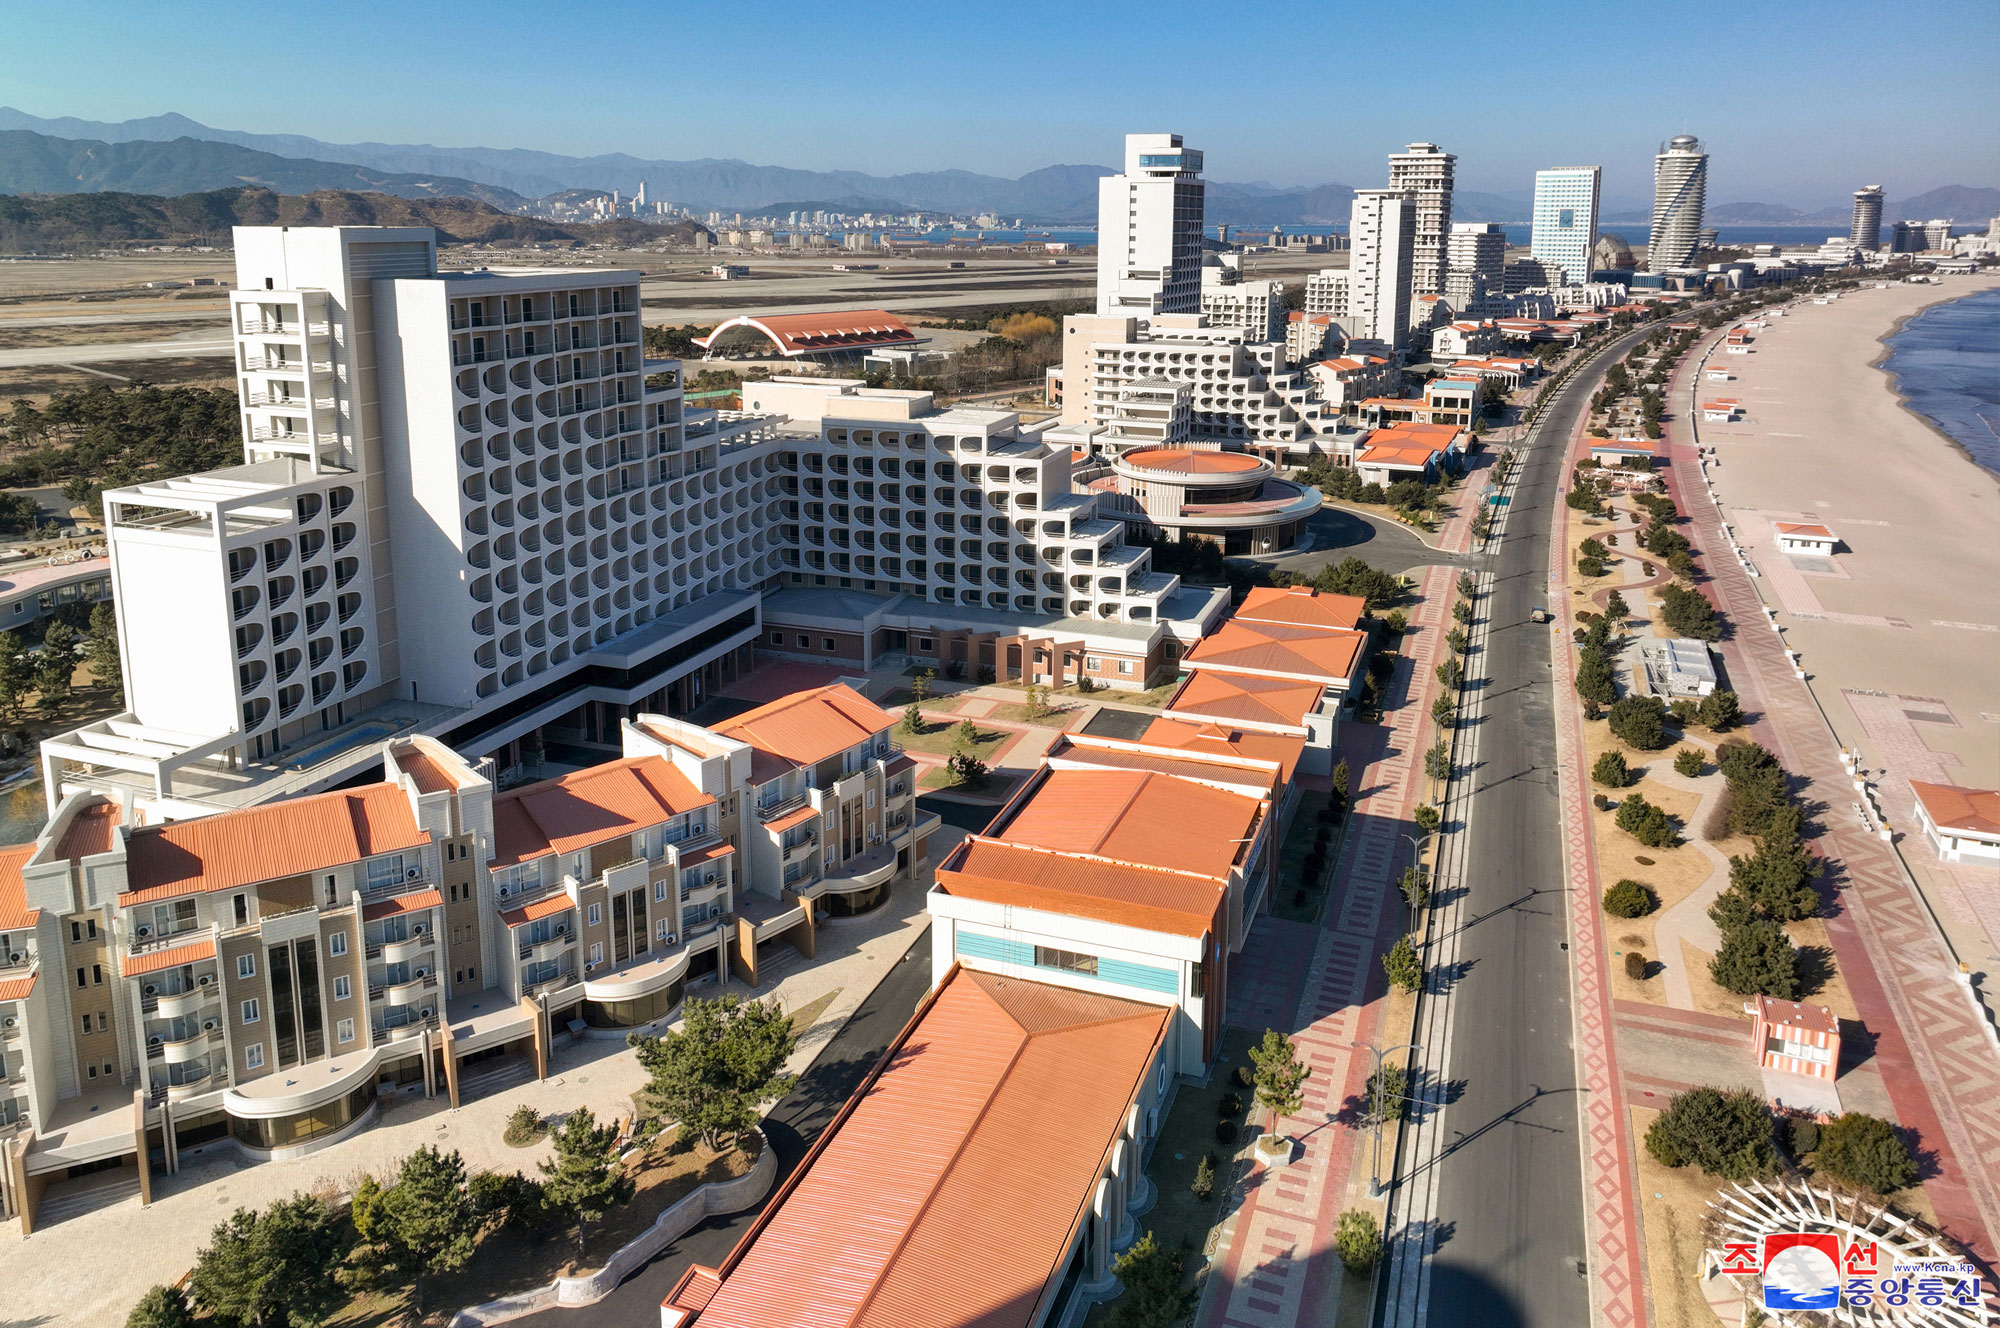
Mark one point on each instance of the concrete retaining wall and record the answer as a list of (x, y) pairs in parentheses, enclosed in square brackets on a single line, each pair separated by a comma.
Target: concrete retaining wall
[(729, 1196)]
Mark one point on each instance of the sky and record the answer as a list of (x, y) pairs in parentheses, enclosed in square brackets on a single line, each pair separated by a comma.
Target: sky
[(1799, 103)]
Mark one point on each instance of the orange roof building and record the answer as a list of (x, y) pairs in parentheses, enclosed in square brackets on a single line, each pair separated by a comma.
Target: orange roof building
[(810, 335), (591, 807), (1962, 824), (896, 1218), (806, 728), (1281, 705), (1302, 605), (1126, 868), (1332, 658)]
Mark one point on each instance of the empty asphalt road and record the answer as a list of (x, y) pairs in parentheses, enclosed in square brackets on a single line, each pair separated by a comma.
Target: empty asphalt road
[(1509, 1211)]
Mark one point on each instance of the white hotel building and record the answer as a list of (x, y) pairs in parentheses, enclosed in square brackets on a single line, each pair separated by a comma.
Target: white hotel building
[(462, 513), (1565, 221)]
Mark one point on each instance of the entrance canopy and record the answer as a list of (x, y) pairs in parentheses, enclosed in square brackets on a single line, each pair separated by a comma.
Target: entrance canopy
[(798, 336)]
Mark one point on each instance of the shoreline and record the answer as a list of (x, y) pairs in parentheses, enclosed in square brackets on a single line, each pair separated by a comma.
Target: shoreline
[(1894, 384)]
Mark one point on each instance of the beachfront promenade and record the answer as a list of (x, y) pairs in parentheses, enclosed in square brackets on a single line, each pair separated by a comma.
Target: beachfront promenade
[(1900, 665)]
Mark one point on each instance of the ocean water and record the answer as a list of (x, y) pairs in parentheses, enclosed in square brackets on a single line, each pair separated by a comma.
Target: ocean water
[(1946, 361)]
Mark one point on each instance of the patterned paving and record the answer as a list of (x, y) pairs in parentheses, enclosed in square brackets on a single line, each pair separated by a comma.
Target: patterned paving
[(1782, 577), (1617, 1277), (1280, 1269), (1932, 1046)]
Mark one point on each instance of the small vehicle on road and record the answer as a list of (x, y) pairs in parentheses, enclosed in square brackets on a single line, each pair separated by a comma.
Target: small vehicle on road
[(1540, 615)]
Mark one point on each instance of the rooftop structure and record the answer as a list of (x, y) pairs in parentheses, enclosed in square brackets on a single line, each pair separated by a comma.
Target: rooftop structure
[(872, 1228), (848, 334), (1677, 667)]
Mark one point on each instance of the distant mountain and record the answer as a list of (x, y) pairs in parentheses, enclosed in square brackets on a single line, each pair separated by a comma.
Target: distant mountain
[(33, 163), (59, 222), (1959, 202)]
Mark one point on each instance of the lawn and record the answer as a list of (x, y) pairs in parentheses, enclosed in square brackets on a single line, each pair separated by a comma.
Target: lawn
[(1178, 1219), (941, 738), (940, 777), (1052, 717), (897, 700), (1298, 899), (508, 1262)]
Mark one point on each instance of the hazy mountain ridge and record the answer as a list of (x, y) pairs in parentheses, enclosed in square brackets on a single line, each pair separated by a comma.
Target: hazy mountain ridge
[(1052, 194), (59, 222)]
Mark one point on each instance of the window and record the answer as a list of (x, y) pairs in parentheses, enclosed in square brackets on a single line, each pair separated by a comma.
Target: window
[(97, 975), (828, 644), (871, 800), (344, 1031), (659, 891), (90, 929), (249, 1011), (924, 644), (387, 870), (107, 1069), (82, 977), (596, 915), (1066, 960), (241, 906), (93, 1071), (246, 966), (777, 638), (86, 1023), (342, 988), (75, 933), (805, 642), (597, 952), (471, 973), (1198, 982), (1125, 666), (332, 890), (1092, 663), (661, 929), (253, 1056), (336, 944)]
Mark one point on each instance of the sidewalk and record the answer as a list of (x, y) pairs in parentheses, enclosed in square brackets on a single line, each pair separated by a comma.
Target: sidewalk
[(1325, 986), (1933, 1048)]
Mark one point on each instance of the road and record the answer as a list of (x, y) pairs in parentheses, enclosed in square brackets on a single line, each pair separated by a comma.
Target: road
[(1339, 533), (1506, 1201), (792, 1127)]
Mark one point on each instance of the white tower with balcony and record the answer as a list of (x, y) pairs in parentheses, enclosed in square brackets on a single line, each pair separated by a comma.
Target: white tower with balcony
[(1149, 230)]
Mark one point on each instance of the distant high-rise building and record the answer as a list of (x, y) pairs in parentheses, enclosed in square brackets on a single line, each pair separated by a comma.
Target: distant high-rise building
[(1477, 256), (1383, 229), (1866, 232), (1424, 172), (1565, 231), (1680, 188), (639, 198), (1149, 230)]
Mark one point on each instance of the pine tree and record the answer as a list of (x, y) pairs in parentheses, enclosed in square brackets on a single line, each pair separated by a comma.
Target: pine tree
[(584, 1178), (426, 1221), (1280, 1077), (1757, 959), (713, 1072), (1154, 1296), (1404, 968), (101, 648), (1777, 878)]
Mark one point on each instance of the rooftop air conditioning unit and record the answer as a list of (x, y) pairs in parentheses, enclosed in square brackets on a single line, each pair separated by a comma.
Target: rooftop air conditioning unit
[(672, 939), (412, 874), (417, 930), (420, 975), (506, 890), (16, 957)]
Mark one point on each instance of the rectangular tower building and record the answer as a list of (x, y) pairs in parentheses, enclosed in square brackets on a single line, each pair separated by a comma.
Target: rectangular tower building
[(1149, 230), (1424, 172), (1383, 228), (1565, 231)]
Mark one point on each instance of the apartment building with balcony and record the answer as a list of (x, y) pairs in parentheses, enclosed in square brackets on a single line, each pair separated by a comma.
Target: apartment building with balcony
[(570, 540)]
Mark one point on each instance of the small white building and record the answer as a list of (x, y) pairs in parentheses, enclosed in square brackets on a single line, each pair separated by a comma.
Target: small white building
[(1719, 375), (1961, 823), (1718, 412), (1676, 668), (1808, 537)]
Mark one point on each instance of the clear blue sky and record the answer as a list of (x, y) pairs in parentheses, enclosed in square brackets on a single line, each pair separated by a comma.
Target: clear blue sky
[(1799, 102)]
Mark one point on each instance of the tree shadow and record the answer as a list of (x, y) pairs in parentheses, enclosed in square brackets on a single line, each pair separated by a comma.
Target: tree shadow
[(1929, 1165), (1814, 969), (1446, 976)]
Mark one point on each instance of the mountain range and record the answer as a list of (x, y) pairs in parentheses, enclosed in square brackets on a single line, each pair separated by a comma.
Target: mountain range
[(172, 154)]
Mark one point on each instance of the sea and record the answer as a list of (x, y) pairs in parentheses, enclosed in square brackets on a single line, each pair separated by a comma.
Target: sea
[(1946, 363), (1517, 234)]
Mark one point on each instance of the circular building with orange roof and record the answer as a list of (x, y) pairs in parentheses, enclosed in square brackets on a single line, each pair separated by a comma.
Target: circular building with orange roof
[(1232, 499)]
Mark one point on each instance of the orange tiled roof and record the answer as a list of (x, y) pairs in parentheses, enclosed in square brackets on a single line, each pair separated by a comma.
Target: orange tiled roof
[(797, 334), (807, 727), (546, 907), (891, 1221), (14, 911), (425, 771), (1212, 766), (1190, 460), (15, 989), (1795, 1014), (589, 807), (171, 956), (1304, 605), (89, 831), (1810, 528), (285, 838), (799, 817), (1135, 816), (415, 902), (1198, 738), (1413, 455), (1247, 697), (1953, 807), (1082, 885), (1280, 648), (708, 854)]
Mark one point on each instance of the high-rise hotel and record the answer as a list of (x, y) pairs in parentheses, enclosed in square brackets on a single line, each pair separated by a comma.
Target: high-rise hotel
[(1680, 189), (1565, 221)]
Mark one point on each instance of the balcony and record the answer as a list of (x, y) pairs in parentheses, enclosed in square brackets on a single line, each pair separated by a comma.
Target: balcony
[(402, 1029), (414, 878), (556, 983), (548, 948), (179, 1005), (410, 947), (406, 992), (772, 811)]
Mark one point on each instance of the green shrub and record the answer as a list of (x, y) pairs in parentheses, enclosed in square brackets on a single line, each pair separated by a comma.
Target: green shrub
[(1726, 1134), (524, 1126), (1405, 969), (1229, 1105), (1358, 1241), (1639, 722), (1689, 762), (1203, 1185), (1225, 1132), (1246, 1076), (1802, 1136), (1720, 711), (1611, 771), (1644, 822), (1630, 899), (1757, 959), (161, 1307), (1865, 1151)]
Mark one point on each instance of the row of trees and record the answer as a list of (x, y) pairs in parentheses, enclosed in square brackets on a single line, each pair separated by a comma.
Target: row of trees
[(1730, 1134), (103, 436), (1768, 887), (47, 675)]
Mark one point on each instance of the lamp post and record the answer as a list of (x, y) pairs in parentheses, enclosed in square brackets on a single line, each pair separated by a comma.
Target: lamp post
[(1375, 1171), (1416, 844)]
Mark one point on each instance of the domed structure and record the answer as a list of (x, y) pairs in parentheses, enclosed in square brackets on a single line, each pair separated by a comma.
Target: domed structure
[(1233, 499)]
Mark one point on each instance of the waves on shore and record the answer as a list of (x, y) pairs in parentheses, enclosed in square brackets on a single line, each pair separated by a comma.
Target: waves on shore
[(1946, 363)]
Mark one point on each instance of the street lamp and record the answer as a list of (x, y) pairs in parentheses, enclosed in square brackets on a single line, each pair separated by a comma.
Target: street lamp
[(1375, 1172), (1416, 844)]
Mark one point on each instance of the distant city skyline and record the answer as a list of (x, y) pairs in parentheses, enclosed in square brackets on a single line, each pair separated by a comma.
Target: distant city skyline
[(1037, 87)]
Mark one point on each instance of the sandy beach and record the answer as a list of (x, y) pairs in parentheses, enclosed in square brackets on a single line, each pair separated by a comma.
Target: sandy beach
[(1900, 629)]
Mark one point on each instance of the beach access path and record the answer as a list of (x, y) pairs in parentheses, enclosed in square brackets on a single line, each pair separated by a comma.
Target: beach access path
[(1823, 439)]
